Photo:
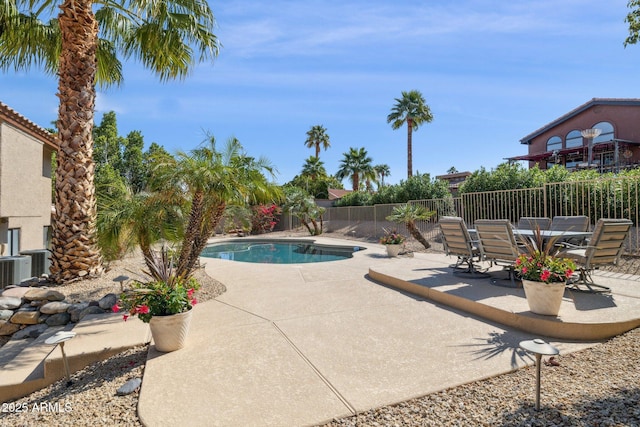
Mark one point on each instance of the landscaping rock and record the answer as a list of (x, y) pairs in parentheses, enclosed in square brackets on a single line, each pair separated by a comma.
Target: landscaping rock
[(10, 303), (25, 317), (8, 328), (58, 319), (129, 387), (16, 291), (5, 314), (75, 309), (36, 294), (107, 301), (54, 307), (33, 331)]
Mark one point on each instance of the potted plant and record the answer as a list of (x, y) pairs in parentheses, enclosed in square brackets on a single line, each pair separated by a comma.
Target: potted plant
[(544, 274), (393, 242), (165, 302)]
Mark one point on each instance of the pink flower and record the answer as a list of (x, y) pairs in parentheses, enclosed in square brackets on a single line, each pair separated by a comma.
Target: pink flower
[(194, 301), (524, 270), (143, 309), (545, 275), (190, 293), (115, 308), (569, 272)]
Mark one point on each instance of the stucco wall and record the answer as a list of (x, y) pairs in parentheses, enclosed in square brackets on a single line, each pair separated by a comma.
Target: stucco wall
[(25, 194)]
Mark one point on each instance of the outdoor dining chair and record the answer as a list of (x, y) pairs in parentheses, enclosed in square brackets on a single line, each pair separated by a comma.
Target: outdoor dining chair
[(457, 242), (604, 248), (498, 245), (534, 222), (570, 223)]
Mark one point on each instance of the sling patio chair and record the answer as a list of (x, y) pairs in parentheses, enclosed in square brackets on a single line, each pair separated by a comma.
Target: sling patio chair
[(571, 223), (604, 248), (534, 222), (457, 241), (498, 245)]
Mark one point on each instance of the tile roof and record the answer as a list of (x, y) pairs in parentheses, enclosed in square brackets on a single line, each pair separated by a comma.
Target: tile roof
[(16, 119)]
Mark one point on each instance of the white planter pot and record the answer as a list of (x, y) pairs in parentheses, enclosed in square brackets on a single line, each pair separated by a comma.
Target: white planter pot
[(544, 298), (393, 250), (170, 332)]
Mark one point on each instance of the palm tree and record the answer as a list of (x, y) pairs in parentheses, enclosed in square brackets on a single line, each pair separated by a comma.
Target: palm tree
[(317, 136), (355, 164), (412, 110), (408, 214), (382, 171), (80, 48), (208, 181), (313, 167), (302, 206)]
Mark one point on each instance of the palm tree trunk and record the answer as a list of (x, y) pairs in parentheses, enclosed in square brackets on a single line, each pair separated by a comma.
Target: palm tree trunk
[(75, 253), (317, 150), (417, 235), (193, 230), (202, 239), (409, 149)]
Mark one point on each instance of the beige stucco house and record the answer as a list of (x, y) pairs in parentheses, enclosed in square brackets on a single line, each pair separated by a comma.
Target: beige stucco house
[(25, 183)]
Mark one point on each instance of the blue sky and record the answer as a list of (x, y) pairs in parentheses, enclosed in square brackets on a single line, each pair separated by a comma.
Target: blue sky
[(491, 72)]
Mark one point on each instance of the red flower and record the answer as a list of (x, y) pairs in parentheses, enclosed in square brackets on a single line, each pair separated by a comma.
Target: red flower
[(190, 292), (115, 308), (194, 301), (544, 276), (125, 317), (569, 272), (524, 270), (143, 309)]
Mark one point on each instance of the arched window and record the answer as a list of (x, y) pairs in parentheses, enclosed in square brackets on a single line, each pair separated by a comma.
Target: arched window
[(607, 132), (554, 143), (573, 139)]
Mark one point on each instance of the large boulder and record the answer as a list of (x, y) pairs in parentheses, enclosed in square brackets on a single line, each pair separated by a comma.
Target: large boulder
[(75, 309), (16, 291), (58, 319), (54, 307), (8, 328), (107, 301), (25, 317), (37, 294), (10, 303)]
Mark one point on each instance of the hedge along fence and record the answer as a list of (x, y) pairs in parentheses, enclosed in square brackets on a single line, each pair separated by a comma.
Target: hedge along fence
[(604, 198)]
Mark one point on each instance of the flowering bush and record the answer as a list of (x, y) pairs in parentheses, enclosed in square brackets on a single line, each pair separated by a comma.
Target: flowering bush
[(392, 238), (264, 218), (165, 294), (540, 262)]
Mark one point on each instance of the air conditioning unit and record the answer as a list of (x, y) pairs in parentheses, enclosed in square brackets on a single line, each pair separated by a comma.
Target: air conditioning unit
[(40, 261), (14, 269)]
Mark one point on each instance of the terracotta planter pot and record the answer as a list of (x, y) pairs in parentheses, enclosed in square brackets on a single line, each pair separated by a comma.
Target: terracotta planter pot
[(170, 332), (544, 298), (393, 250)]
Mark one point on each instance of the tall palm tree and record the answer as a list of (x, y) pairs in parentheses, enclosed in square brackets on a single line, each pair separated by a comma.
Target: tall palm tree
[(355, 164), (80, 46), (382, 171), (412, 110), (317, 136)]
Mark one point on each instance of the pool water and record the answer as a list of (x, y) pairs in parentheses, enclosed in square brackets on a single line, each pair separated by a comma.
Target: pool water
[(294, 252)]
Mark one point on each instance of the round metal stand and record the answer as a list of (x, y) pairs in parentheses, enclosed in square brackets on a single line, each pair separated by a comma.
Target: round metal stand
[(539, 347), (60, 338)]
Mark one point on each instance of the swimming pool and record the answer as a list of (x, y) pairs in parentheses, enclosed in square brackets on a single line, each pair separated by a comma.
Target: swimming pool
[(279, 251)]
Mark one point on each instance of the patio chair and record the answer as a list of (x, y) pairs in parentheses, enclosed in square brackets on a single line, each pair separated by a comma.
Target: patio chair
[(604, 248), (533, 222), (498, 245), (457, 241), (570, 223)]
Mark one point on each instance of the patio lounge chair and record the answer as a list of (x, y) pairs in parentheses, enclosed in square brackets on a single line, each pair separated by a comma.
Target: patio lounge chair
[(498, 245), (457, 241), (604, 248), (534, 222)]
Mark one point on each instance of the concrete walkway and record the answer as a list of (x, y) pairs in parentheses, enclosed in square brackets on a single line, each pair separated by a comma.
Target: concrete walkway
[(302, 344)]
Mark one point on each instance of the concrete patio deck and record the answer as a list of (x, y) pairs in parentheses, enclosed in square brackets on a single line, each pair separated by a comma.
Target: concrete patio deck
[(302, 344)]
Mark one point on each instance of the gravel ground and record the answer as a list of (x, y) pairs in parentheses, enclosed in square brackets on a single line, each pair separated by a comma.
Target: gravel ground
[(599, 386)]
